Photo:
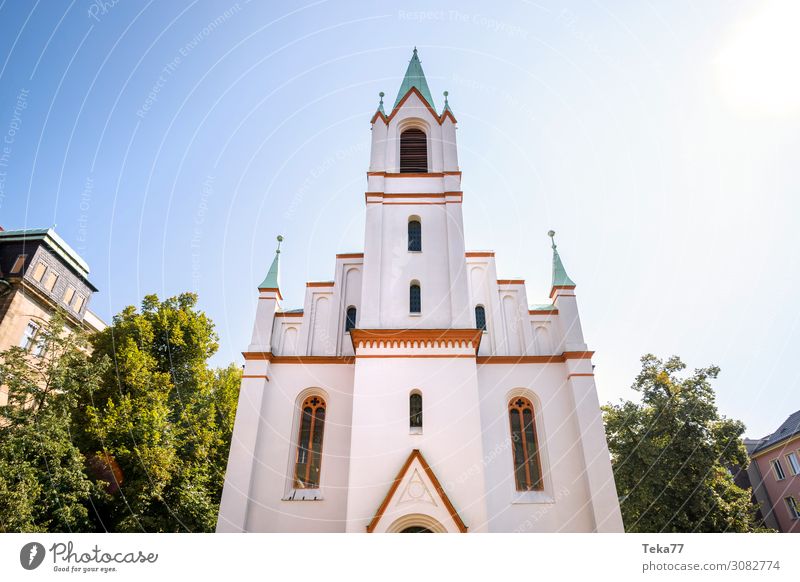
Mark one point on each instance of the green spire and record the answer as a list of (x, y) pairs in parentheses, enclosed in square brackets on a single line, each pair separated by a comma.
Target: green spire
[(271, 280), (560, 277), (446, 104), (415, 78)]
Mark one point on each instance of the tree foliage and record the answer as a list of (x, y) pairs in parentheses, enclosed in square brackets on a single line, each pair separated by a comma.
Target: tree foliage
[(128, 433), (43, 485), (671, 454)]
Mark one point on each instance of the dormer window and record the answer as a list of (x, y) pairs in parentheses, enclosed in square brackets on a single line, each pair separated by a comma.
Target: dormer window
[(413, 151)]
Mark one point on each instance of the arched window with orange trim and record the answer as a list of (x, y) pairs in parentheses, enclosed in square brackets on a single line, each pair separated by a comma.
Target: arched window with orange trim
[(527, 466), (309, 443)]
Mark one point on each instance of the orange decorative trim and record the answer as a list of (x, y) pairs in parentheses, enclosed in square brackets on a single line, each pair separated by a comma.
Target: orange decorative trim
[(257, 355), (409, 203), (416, 337), (438, 119), (380, 115), (473, 254), (447, 113), (268, 289), (319, 284), (555, 359), (264, 376), (511, 281), (414, 174), (416, 454), (586, 375), (557, 287), (543, 311), (578, 355), (415, 356), (312, 360), (350, 256), (285, 314), (270, 357)]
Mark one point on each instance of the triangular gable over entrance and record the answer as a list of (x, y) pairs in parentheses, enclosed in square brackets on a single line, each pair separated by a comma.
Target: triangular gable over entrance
[(416, 498)]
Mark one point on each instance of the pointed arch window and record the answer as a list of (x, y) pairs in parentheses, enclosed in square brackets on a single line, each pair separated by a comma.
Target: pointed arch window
[(480, 317), (414, 235), (415, 410), (309, 443), (415, 298), (350, 319), (527, 466), (413, 151)]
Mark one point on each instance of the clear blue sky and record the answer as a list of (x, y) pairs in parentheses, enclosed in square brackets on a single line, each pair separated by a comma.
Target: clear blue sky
[(660, 140)]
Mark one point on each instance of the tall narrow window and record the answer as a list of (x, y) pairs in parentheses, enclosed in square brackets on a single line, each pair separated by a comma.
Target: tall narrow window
[(309, 444), (38, 272), (794, 510), (414, 235), (29, 336), (794, 464), (778, 468), (18, 264), (51, 281), (415, 299), (350, 319), (480, 317), (69, 294), (79, 300), (413, 151), (527, 468), (415, 410)]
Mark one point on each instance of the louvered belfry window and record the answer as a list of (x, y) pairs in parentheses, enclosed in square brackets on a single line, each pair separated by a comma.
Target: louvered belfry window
[(413, 151)]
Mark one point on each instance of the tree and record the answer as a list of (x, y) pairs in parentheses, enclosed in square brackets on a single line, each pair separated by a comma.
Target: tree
[(671, 452), (158, 428), (43, 486)]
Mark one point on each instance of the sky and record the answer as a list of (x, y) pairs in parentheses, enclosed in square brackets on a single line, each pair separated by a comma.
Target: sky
[(170, 142)]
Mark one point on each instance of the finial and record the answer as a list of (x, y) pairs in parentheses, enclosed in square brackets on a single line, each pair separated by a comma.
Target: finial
[(280, 240), (381, 94), (446, 93), (415, 51), (552, 235)]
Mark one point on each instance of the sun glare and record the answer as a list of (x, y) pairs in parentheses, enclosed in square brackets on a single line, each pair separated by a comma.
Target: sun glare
[(758, 67)]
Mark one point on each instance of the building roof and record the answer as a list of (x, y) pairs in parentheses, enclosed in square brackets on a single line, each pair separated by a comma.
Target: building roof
[(415, 77), (52, 240), (560, 277), (271, 281), (789, 428)]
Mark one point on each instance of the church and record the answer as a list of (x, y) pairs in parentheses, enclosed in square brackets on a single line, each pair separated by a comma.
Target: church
[(416, 391)]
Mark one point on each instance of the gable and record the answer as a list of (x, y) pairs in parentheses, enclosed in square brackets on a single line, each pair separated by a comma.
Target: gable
[(416, 498)]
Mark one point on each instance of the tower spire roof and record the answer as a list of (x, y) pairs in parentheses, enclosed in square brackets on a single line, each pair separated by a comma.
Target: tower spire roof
[(271, 281), (560, 277), (415, 77)]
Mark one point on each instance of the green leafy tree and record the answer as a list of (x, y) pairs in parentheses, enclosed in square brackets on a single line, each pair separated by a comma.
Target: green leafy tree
[(158, 428), (671, 452), (43, 486)]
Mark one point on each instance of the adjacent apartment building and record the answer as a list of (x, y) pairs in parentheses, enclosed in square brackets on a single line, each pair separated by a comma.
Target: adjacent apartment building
[(39, 273), (775, 474)]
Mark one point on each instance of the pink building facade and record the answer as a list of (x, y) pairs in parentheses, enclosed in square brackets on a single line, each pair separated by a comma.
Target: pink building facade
[(777, 458)]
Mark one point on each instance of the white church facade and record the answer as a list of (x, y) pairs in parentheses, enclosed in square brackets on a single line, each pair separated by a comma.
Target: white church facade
[(416, 391)]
